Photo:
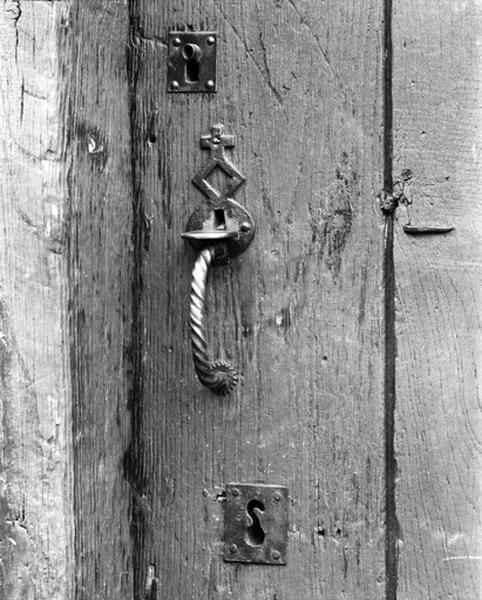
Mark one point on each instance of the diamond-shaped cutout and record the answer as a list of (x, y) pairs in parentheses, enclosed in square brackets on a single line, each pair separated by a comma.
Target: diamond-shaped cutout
[(218, 179)]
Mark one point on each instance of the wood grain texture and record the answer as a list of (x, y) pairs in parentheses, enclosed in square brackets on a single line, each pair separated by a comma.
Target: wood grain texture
[(300, 312), (93, 47), (36, 528), (436, 91)]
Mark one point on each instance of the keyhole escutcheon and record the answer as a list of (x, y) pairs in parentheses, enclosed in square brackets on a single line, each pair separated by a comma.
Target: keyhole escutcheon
[(256, 524), (255, 534)]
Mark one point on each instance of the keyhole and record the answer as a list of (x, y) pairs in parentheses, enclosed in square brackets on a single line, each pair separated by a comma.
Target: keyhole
[(255, 533), (192, 54), (219, 219)]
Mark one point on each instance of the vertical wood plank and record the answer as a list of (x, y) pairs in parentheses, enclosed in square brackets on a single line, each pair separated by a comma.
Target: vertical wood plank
[(436, 91), (300, 85), (36, 517), (99, 231)]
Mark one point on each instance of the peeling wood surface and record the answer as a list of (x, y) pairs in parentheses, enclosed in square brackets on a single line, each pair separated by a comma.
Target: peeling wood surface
[(300, 312), (93, 46), (36, 512), (436, 120)]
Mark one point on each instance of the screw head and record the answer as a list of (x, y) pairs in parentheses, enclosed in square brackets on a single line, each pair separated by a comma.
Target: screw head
[(275, 554), (174, 85), (211, 40), (233, 548), (210, 84), (235, 492), (276, 497), (176, 41), (245, 227)]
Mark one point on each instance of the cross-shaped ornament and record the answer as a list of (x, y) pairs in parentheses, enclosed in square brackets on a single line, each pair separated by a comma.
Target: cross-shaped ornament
[(216, 141)]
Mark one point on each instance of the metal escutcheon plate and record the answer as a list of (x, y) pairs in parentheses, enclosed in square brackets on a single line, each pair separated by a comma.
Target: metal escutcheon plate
[(230, 221), (192, 47), (256, 524)]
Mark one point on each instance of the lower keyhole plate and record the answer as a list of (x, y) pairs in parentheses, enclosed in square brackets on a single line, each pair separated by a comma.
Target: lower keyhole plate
[(256, 524)]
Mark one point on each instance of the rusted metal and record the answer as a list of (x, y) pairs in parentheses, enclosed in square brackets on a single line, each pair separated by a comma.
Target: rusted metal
[(217, 141), (192, 61), (426, 229), (217, 375), (218, 229), (231, 228), (256, 524)]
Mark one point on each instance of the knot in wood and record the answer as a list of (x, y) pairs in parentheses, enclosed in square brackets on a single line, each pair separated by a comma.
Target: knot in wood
[(388, 202)]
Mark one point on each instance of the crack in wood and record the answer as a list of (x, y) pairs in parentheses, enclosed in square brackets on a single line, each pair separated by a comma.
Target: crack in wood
[(264, 73), (322, 51)]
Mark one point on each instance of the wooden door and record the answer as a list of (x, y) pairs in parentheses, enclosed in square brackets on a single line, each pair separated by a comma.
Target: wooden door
[(115, 459), (300, 311)]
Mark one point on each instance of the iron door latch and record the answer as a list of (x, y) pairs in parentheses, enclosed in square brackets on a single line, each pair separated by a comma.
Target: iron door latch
[(218, 229)]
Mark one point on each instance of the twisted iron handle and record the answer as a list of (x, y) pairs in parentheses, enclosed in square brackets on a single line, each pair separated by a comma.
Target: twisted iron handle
[(219, 376)]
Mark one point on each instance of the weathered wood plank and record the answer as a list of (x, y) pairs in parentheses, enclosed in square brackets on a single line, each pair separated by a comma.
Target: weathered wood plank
[(36, 514), (99, 234), (300, 312), (436, 91)]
